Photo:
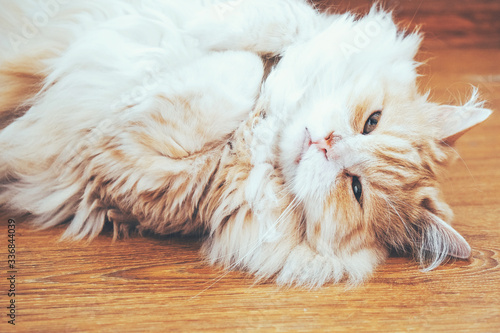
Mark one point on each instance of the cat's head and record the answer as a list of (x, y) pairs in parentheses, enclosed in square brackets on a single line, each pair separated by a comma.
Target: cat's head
[(361, 147)]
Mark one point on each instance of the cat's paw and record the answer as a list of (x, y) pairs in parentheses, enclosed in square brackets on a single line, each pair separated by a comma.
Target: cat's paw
[(306, 267)]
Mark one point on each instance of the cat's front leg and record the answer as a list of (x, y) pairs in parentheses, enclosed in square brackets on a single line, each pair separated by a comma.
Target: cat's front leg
[(261, 26)]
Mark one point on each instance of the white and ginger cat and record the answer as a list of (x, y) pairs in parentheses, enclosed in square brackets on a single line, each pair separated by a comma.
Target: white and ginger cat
[(162, 116)]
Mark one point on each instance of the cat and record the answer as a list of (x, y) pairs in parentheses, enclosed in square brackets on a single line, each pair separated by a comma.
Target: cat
[(296, 141)]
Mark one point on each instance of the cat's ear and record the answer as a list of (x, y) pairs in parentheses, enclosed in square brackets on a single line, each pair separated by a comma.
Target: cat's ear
[(454, 121), (440, 240)]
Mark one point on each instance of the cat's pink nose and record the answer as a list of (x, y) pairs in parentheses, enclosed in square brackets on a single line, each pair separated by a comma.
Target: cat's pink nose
[(327, 143)]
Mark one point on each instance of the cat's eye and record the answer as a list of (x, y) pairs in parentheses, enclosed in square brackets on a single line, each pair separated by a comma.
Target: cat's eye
[(357, 190), (372, 122)]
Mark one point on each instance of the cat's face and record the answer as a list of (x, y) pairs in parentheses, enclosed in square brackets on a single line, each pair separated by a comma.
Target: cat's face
[(362, 148), (365, 164)]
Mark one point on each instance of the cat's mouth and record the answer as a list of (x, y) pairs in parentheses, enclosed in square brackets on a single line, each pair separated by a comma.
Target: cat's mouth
[(306, 143)]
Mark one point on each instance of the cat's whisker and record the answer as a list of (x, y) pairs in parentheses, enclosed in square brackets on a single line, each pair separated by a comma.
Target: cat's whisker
[(389, 203), (415, 14), (286, 212), (259, 242), (465, 163)]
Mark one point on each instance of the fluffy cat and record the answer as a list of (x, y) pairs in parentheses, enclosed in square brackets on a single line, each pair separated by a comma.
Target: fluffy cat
[(161, 116)]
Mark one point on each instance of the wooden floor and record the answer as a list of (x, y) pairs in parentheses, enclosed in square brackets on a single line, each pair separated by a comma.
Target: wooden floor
[(161, 284), (445, 23)]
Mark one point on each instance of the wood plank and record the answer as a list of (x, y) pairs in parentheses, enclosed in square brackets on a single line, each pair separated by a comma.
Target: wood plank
[(445, 24)]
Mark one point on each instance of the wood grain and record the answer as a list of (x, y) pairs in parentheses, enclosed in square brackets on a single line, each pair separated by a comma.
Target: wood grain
[(445, 23), (161, 284)]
